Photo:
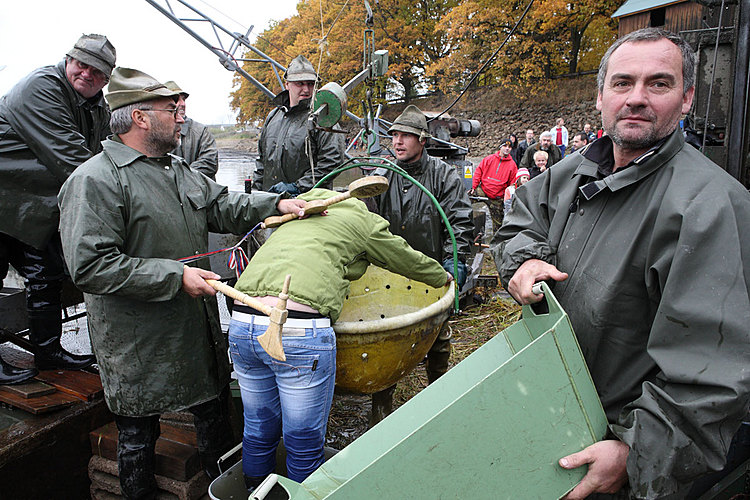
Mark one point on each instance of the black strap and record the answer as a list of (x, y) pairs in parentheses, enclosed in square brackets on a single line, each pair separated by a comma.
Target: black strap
[(292, 313)]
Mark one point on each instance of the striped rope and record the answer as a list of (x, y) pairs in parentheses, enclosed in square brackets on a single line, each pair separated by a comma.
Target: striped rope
[(237, 260)]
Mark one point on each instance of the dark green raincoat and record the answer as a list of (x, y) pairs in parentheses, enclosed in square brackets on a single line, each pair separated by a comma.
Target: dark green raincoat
[(414, 217), (658, 294), (281, 149), (47, 129), (125, 220), (198, 148)]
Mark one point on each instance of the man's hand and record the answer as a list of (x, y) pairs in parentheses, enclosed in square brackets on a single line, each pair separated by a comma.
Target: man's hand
[(291, 206), (194, 281), (530, 272), (448, 278), (607, 468), (472, 192)]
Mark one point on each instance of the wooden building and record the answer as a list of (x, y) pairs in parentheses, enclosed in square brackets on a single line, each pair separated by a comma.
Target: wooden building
[(682, 16), (718, 31)]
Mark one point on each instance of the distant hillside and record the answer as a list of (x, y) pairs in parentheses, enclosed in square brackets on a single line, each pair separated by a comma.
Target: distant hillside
[(501, 113)]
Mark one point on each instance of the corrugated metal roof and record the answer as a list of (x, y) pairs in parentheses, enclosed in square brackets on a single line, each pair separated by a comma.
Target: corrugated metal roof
[(635, 6)]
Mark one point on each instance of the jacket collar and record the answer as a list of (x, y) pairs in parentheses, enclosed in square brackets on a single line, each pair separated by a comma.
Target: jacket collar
[(641, 167), (185, 127), (416, 167), (282, 101), (122, 156)]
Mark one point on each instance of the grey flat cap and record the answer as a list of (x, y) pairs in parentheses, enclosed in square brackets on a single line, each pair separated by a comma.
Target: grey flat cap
[(95, 50), (300, 70)]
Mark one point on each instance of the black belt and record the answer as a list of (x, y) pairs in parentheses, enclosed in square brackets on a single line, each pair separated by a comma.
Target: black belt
[(291, 312)]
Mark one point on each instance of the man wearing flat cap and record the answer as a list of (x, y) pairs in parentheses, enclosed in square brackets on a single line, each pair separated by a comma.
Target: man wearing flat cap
[(197, 144), (291, 157), (50, 122), (493, 175), (127, 217)]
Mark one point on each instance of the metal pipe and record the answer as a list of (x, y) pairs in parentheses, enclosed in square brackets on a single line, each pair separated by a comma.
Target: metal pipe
[(224, 57), (713, 76), (737, 141)]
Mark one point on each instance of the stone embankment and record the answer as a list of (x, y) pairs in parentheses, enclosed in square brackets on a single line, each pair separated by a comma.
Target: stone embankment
[(502, 113)]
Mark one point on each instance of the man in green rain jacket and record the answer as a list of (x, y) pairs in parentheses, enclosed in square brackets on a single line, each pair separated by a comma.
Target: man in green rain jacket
[(648, 243), (197, 144), (126, 217), (291, 157), (50, 122), (414, 217)]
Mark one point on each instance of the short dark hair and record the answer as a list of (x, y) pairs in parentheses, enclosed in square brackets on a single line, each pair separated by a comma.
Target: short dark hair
[(654, 35), (583, 135)]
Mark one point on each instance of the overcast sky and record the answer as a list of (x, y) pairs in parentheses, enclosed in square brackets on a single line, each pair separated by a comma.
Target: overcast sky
[(36, 33)]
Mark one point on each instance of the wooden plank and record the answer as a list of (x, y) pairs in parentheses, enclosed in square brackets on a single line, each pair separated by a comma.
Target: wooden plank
[(174, 459), (83, 385), (39, 405), (179, 435), (32, 389)]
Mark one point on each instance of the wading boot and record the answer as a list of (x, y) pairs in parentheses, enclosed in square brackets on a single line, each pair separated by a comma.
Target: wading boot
[(437, 365), (251, 483), (10, 374), (44, 332)]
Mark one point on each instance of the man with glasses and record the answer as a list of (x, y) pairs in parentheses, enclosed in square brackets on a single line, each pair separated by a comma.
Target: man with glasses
[(50, 122), (127, 217), (292, 158)]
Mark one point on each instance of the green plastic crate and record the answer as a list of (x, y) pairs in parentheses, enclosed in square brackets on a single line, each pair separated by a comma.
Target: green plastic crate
[(493, 427)]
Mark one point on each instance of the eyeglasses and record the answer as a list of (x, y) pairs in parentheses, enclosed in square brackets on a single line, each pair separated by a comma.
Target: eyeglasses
[(174, 111)]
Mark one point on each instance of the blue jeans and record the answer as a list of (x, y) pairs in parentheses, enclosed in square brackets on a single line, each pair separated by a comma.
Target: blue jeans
[(294, 395)]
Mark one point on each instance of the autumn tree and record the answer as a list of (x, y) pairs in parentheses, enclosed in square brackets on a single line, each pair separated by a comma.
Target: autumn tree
[(549, 41), (329, 45), (412, 34), (408, 30)]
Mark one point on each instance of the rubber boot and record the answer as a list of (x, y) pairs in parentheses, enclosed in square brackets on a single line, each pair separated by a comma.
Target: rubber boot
[(10, 374), (136, 456), (437, 365), (382, 405), (252, 482), (45, 329), (214, 434)]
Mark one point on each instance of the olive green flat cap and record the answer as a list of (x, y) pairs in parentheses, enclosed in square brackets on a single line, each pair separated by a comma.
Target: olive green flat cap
[(95, 50), (129, 86), (300, 70), (411, 121), (172, 85)]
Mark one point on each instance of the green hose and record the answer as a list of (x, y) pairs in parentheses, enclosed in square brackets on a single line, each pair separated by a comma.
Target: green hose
[(389, 165)]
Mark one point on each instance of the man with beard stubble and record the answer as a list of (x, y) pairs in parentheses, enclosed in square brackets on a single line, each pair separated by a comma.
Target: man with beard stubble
[(645, 242), (127, 217)]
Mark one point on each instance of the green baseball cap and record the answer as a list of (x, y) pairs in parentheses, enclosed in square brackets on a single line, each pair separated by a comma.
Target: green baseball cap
[(95, 50), (128, 86)]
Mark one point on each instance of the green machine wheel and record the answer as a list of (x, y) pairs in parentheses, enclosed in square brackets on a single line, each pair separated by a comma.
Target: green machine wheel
[(331, 95)]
